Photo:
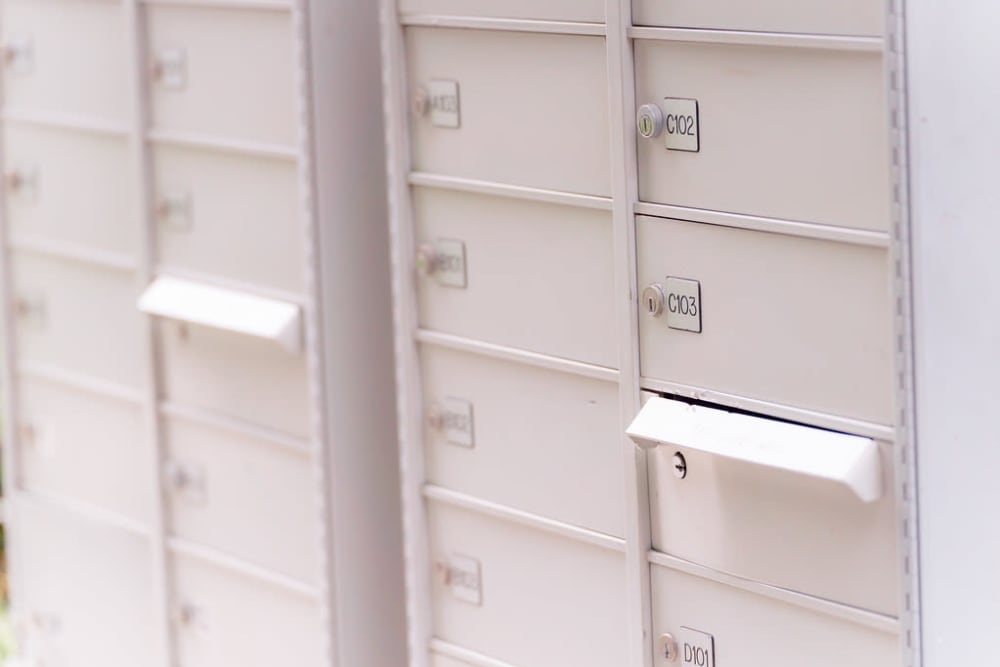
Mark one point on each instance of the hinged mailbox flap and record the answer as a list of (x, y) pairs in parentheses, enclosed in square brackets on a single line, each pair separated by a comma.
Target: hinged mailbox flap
[(848, 460), (229, 310)]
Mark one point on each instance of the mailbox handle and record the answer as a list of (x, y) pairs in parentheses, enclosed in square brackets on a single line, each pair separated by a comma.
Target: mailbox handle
[(847, 460), (225, 309)]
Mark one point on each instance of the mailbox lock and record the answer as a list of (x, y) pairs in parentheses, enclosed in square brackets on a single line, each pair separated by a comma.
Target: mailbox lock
[(653, 299), (421, 101), (426, 259), (435, 418), (649, 121), (667, 647)]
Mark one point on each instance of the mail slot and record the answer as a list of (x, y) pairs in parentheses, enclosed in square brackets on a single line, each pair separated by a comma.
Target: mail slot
[(747, 629), (235, 375), (591, 11), (491, 421), (522, 596), (530, 275), (787, 505), (67, 59), (80, 584), (70, 187), (222, 617), (516, 108), (784, 320), (229, 215), (216, 478), (68, 437), (848, 17), (224, 74), (778, 132), (78, 318)]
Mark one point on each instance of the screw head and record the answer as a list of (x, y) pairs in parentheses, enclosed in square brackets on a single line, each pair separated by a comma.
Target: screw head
[(649, 121), (667, 647), (679, 464)]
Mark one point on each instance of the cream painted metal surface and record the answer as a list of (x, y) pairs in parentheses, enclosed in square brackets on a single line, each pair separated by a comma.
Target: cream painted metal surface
[(227, 491), (552, 88), (513, 278), (771, 520), (195, 325), (754, 630), (761, 220), (591, 11), (65, 187), (526, 580), (81, 583), (778, 312), (239, 88), (78, 317), (203, 195), (538, 426), (238, 376), (83, 445), (851, 17), (790, 133), (57, 46), (223, 618)]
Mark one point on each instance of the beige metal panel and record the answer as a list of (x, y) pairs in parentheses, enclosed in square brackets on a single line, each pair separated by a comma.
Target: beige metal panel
[(533, 108), (226, 490), (540, 593), (229, 215), (531, 430), (74, 60), (71, 187), (789, 320), (225, 618), (78, 317), (754, 631), (84, 446), (787, 531), (591, 11), (847, 17), (538, 276), (797, 134), (85, 595), (237, 376), (225, 74)]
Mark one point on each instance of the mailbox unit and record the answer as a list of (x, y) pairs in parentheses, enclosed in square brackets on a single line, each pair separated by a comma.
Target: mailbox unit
[(196, 278), (652, 332)]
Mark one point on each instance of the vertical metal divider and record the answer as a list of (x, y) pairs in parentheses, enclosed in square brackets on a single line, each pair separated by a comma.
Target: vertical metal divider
[(624, 187), (894, 55), (11, 459), (409, 407), (313, 328), (135, 27)]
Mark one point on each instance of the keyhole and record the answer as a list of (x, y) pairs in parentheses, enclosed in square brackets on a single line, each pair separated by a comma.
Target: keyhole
[(680, 466)]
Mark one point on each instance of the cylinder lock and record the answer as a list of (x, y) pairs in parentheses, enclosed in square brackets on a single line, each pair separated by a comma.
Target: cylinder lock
[(653, 299), (649, 121), (426, 260)]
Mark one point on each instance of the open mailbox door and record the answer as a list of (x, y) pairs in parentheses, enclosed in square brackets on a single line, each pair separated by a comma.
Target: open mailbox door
[(847, 460)]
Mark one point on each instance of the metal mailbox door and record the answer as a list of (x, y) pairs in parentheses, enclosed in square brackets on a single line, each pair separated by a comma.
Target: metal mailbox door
[(784, 320), (488, 424), (522, 596), (528, 275), (516, 108), (778, 132), (848, 17)]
